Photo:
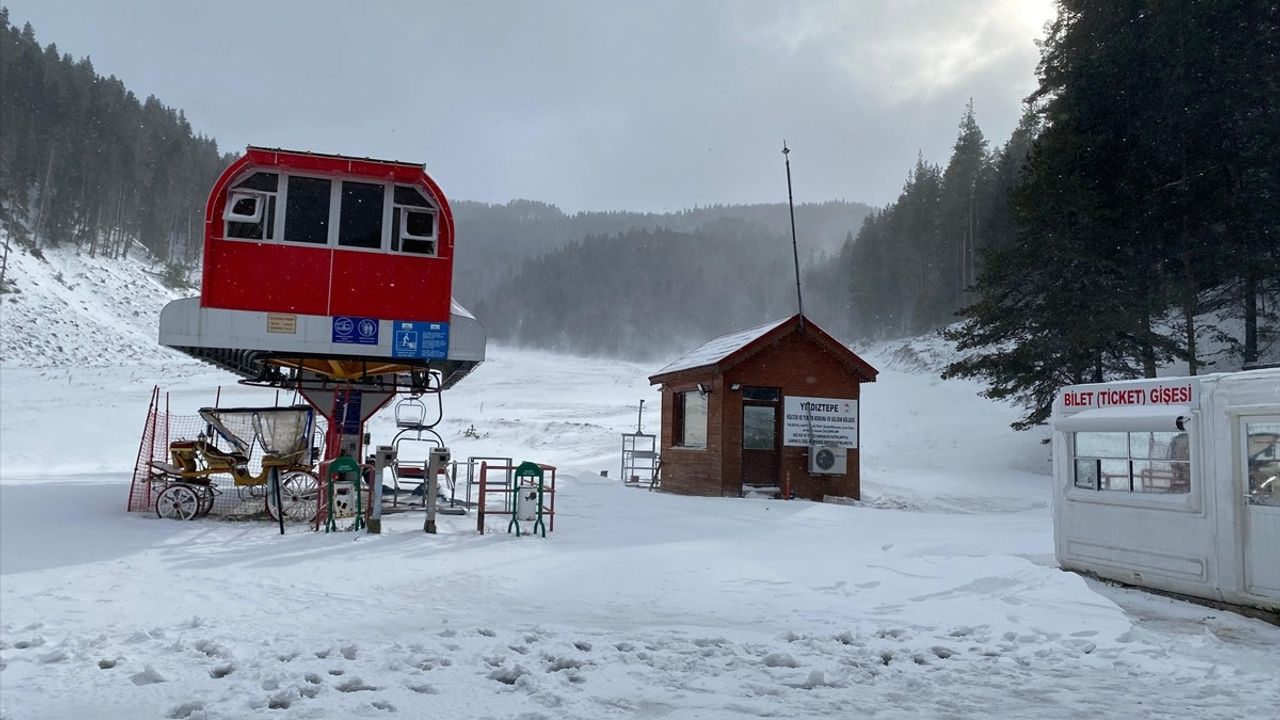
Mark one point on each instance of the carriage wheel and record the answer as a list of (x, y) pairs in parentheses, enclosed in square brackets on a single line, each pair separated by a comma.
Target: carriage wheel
[(299, 494), (251, 492), (178, 502), (155, 485), (206, 494)]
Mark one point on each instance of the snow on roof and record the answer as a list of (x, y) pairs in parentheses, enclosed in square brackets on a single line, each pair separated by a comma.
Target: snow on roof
[(719, 348), (455, 308)]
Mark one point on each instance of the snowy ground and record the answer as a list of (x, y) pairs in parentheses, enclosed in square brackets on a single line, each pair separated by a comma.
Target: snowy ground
[(938, 597)]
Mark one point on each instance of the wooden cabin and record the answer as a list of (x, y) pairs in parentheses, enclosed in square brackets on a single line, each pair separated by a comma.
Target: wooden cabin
[(771, 411)]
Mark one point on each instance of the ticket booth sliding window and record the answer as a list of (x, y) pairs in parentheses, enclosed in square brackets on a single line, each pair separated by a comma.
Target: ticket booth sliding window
[(689, 426), (251, 207), (1132, 462)]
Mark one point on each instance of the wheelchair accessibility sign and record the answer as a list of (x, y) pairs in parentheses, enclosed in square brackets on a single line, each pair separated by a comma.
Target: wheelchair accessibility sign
[(355, 330), (424, 340)]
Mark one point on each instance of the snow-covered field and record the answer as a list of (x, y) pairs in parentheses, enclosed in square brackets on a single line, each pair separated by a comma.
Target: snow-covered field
[(937, 597)]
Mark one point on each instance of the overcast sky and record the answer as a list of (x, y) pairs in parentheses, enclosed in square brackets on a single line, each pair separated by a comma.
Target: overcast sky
[(588, 105)]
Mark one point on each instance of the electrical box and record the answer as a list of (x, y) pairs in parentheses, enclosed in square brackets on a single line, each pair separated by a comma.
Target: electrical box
[(828, 460)]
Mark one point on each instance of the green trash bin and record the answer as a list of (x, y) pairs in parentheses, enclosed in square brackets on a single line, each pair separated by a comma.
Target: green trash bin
[(346, 470), (526, 496)]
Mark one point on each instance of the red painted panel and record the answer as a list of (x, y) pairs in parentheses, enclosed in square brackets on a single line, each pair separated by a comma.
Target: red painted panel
[(266, 276), (375, 170), (293, 278), (320, 164), (391, 287)]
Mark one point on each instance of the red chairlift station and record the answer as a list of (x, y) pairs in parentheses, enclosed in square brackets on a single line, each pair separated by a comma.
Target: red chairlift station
[(330, 275)]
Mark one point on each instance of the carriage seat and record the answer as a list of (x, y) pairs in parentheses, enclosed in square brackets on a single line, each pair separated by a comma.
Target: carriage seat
[(214, 454)]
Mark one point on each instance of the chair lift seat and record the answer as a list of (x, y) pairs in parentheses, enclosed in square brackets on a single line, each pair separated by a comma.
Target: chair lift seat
[(410, 471)]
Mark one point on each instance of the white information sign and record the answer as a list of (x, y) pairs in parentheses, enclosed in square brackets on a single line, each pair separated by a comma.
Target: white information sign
[(820, 421)]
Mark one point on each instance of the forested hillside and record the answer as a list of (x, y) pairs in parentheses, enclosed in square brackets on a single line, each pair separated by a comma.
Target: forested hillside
[(1138, 194), (493, 240), (645, 292), (83, 161), (1148, 197)]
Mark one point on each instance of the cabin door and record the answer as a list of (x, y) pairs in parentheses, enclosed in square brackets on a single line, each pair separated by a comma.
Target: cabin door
[(1261, 466), (760, 438)]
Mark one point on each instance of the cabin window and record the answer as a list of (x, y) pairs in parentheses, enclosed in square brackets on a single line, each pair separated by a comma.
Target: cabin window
[(413, 222), (690, 421), (1133, 462), (251, 207), (306, 213), (360, 223)]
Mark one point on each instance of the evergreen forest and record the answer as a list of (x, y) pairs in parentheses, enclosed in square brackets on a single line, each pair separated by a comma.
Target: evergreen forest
[(1130, 221)]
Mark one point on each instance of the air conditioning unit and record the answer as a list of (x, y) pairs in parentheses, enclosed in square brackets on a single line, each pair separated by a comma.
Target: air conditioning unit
[(828, 460)]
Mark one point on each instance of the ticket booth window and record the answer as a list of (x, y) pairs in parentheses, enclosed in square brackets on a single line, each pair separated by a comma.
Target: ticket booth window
[(1137, 462)]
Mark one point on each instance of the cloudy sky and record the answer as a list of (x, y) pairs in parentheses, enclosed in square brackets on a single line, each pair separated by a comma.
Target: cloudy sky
[(588, 105)]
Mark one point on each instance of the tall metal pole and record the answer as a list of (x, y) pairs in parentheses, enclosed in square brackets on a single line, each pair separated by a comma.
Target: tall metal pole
[(795, 253)]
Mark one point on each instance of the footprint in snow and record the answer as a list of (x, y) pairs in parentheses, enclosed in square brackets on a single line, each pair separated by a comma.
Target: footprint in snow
[(56, 656), (211, 649), (782, 660), (33, 642), (556, 664), (508, 675), (221, 671), (185, 710), (148, 676), (349, 652), (354, 684)]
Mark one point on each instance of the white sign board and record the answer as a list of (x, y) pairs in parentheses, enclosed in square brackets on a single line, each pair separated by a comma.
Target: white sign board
[(820, 421), (1175, 391)]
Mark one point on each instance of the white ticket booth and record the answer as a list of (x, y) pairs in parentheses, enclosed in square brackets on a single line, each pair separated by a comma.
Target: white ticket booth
[(1172, 484)]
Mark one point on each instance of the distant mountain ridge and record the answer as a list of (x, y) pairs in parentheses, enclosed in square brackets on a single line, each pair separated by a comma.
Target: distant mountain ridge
[(494, 240)]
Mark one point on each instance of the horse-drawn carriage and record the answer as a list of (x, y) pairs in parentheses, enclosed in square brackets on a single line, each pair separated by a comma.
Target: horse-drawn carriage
[(187, 485)]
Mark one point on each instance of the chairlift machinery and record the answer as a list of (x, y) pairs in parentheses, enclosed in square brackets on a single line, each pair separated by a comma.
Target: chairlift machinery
[(331, 276)]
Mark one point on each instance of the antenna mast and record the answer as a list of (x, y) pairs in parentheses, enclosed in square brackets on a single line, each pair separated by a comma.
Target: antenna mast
[(795, 253)]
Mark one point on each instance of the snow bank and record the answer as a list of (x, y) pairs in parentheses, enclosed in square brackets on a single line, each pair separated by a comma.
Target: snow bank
[(638, 605)]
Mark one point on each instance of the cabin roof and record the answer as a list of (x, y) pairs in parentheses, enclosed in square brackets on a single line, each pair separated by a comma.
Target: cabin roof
[(286, 151), (721, 353), (717, 349)]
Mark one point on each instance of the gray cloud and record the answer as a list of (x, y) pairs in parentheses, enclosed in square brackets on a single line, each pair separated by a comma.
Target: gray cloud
[(646, 106)]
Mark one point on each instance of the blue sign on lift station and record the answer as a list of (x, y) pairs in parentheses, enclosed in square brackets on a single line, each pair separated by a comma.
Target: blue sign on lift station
[(355, 330), (423, 340)]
